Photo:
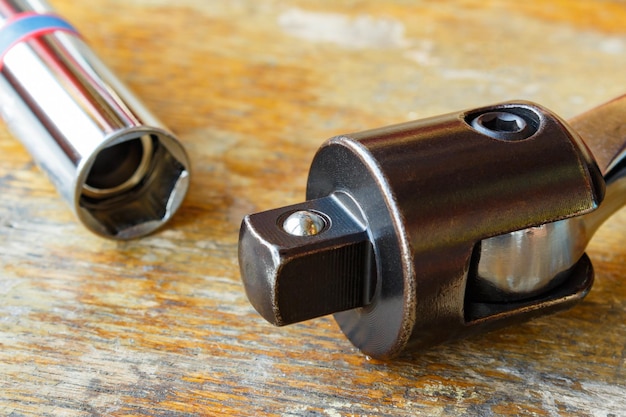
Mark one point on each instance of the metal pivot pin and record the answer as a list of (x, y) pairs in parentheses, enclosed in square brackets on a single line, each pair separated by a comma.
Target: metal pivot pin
[(123, 174), (441, 228)]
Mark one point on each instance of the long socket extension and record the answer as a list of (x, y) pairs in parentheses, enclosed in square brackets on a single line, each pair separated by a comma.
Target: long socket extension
[(437, 229), (121, 171)]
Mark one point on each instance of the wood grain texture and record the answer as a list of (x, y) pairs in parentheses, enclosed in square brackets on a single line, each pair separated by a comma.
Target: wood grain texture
[(161, 326)]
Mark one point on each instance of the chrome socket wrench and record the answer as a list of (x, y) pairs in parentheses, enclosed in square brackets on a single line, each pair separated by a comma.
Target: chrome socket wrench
[(123, 174)]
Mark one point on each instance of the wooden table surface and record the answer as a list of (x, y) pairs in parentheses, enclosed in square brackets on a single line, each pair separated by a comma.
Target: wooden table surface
[(161, 326)]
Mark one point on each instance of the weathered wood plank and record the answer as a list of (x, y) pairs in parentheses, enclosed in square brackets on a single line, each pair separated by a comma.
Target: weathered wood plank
[(161, 326)]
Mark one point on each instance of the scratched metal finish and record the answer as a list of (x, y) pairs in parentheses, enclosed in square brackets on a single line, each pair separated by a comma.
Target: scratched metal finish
[(161, 326)]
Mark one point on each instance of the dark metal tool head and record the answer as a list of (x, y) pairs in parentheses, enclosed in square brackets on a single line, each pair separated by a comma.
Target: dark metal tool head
[(389, 238)]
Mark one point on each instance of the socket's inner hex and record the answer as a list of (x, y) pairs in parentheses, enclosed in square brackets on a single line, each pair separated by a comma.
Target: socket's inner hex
[(119, 168), (133, 185)]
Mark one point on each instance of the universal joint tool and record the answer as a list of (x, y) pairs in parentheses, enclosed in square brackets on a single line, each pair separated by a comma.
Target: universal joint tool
[(437, 229)]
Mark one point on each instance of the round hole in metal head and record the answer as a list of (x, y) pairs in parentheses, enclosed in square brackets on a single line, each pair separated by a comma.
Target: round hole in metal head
[(502, 122), (512, 123)]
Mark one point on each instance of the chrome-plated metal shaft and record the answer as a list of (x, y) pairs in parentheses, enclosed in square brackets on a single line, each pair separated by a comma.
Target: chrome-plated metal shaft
[(120, 170)]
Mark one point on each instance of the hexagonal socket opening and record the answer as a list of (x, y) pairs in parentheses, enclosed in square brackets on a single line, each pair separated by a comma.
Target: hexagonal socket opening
[(132, 187)]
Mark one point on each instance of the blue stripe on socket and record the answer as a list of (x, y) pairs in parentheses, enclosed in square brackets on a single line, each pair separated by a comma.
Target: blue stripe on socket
[(28, 26)]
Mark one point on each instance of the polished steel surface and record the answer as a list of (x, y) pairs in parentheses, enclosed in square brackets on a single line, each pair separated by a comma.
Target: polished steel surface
[(120, 170), (525, 262)]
